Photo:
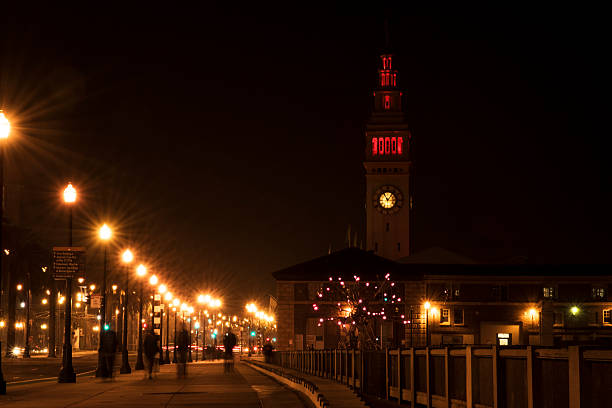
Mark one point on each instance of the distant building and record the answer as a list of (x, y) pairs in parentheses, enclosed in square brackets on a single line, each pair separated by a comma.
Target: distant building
[(446, 298)]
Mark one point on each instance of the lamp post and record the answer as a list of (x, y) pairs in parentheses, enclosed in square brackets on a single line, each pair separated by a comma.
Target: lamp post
[(127, 258), (167, 298), (105, 234), (175, 302), (153, 281), (67, 374), (190, 311), (5, 130), (141, 271), (161, 289), (427, 306)]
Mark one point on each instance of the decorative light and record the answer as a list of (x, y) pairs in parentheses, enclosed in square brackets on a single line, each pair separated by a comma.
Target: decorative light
[(19, 286), (44, 301), (2, 323), (105, 232), (43, 326), (114, 288), (81, 280), (22, 304), (532, 312), (70, 194), (48, 292), (78, 304), (92, 287), (61, 300), (575, 310), (427, 305)]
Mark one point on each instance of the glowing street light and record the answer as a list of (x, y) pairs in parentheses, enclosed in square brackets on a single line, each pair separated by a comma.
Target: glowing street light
[(141, 271), (105, 234), (127, 257), (153, 280), (70, 194), (162, 288), (5, 126)]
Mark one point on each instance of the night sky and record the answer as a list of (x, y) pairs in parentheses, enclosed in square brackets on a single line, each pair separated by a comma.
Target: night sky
[(228, 147)]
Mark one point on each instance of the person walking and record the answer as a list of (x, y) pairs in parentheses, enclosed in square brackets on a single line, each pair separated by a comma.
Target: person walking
[(229, 341), (182, 343), (151, 350), (109, 348)]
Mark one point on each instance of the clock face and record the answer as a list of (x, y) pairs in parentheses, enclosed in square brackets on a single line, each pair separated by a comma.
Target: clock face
[(388, 200)]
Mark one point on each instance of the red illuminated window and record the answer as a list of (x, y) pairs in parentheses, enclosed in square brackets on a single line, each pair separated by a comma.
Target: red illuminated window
[(394, 78), (400, 142), (374, 146), (387, 146), (387, 102), (393, 145), (381, 145)]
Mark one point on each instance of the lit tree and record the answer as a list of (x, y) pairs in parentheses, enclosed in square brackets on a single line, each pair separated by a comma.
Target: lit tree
[(356, 305)]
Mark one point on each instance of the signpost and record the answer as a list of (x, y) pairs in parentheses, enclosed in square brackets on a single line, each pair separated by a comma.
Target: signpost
[(68, 262)]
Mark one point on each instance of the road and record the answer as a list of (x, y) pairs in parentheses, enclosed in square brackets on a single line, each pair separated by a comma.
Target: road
[(205, 386), (21, 369)]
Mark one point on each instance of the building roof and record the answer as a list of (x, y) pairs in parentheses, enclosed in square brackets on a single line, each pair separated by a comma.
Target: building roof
[(436, 255), (345, 263)]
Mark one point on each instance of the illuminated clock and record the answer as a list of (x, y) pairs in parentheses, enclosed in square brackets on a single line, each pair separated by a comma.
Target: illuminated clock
[(388, 200)]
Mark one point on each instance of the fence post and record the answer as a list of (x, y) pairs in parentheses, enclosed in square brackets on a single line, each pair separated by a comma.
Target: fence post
[(530, 356), (399, 375), (428, 374), (412, 379), (574, 365), (495, 372), (469, 403), (387, 372), (353, 367), (446, 378)]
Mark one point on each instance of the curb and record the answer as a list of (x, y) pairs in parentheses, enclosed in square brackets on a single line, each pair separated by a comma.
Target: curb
[(297, 383), (40, 380)]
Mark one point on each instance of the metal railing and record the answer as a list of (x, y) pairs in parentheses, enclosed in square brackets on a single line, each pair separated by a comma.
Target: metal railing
[(468, 376)]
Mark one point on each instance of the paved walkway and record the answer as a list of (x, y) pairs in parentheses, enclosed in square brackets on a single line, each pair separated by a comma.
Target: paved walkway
[(338, 395), (205, 386)]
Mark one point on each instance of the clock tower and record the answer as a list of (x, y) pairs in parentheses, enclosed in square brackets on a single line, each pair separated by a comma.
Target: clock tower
[(387, 166)]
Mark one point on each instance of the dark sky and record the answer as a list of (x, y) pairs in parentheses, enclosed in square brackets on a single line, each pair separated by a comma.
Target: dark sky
[(232, 146)]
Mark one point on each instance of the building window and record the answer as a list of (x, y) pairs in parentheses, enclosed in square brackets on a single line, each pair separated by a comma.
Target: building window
[(548, 292), (458, 317), (558, 319), (599, 293), (444, 317), (387, 102), (607, 316)]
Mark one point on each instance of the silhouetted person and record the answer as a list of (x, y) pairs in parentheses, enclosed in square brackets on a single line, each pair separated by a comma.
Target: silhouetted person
[(267, 352), (109, 348), (151, 350), (229, 341), (182, 343)]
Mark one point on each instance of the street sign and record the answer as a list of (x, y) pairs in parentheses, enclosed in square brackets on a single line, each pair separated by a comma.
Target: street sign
[(68, 262), (96, 301)]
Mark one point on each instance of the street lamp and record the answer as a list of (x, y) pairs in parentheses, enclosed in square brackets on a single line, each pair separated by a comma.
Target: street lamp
[(175, 303), (67, 374), (5, 130), (127, 257), (427, 306), (161, 289), (141, 271), (105, 234), (168, 299)]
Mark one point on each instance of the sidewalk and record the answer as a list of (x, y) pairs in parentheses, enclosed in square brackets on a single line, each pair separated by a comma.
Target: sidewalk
[(338, 395), (206, 385)]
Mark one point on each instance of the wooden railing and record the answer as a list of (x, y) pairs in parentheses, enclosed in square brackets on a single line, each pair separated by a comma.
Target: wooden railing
[(469, 376)]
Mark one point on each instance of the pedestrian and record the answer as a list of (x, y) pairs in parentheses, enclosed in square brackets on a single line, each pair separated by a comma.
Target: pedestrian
[(267, 352), (229, 341), (109, 348), (182, 343), (151, 350)]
